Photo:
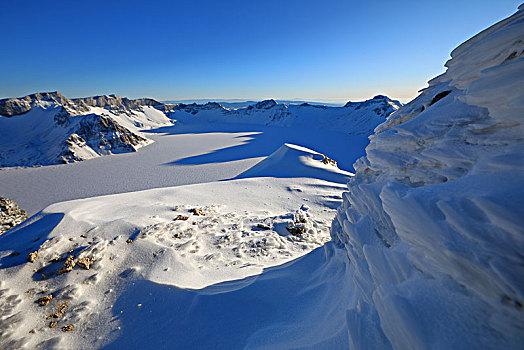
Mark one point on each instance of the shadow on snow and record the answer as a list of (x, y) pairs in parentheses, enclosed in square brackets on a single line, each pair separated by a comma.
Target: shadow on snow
[(261, 141)]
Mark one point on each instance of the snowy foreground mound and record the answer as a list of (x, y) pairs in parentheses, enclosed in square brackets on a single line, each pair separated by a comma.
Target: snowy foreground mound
[(180, 267), (433, 220)]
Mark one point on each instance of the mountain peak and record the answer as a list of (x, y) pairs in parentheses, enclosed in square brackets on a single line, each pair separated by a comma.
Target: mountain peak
[(384, 105), (266, 104), (15, 106)]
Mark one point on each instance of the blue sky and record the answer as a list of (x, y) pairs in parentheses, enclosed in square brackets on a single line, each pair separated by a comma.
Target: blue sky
[(247, 49)]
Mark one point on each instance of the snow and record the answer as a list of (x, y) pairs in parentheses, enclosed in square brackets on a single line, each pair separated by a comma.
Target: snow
[(296, 161), (136, 120), (262, 242), (175, 260), (432, 222), (424, 252), (357, 118), (180, 155)]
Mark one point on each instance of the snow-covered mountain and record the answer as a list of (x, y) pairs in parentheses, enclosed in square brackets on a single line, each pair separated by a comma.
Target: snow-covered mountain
[(433, 220), (47, 128), (354, 118)]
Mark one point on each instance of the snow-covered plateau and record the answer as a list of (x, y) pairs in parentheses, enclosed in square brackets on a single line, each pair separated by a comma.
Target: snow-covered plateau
[(272, 226)]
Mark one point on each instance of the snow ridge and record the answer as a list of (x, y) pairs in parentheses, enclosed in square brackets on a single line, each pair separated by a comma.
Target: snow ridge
[(432, 222)]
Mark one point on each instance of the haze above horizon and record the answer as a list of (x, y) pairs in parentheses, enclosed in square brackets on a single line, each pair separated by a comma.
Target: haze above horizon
[(250, 50)]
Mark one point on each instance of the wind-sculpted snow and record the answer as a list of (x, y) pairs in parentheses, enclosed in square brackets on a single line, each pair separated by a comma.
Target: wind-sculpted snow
[(433, 220)]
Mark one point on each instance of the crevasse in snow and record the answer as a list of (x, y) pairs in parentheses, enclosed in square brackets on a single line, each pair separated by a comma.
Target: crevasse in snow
[(433, 220)]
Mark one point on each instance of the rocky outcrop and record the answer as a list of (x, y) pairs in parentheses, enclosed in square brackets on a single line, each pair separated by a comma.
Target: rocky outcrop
[(15, 106), (58, 130), (194, 108), (101, 135), (266, 104), (10, 214), (114, 102)]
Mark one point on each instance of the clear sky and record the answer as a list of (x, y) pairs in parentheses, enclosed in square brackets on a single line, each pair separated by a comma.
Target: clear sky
[(249, 49)]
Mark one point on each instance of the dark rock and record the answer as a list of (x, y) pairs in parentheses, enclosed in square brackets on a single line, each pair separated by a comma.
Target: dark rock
[(266, 104), (10, 214), (296, 230), (263, 227), (197, 212)]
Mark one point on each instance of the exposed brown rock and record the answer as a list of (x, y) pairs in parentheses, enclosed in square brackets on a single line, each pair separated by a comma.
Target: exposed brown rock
[(296, 231), (68, 265), (43, 301), (31, 257), (181, 217), (53, 324), (263, 227), (61, 310), (67, 328), (62, 307), (10, 214), (197, 212), (85, 262), (329, 161)]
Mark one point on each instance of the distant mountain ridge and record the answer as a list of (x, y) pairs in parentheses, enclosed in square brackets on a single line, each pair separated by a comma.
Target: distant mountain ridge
[(48, 128), (354, 118), (15, 106)]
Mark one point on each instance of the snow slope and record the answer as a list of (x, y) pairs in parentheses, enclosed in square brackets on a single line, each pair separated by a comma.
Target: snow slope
[(160, 267), (433, 220)]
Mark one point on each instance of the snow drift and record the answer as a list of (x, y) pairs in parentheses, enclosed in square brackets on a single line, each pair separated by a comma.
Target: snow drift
[(433, 220), (297, 161)]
